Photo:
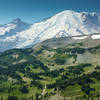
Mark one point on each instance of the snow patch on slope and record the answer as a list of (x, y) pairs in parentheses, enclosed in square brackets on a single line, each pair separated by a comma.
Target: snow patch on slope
[(82, 37), (95, 36), (6, 28)]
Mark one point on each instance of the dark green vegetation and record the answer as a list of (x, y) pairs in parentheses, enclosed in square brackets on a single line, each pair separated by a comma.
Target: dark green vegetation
[(43, 73)]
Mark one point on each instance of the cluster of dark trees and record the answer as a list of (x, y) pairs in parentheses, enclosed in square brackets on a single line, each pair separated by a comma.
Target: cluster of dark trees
[(71, 50), (84, 80), (36, 84), (24, 89)]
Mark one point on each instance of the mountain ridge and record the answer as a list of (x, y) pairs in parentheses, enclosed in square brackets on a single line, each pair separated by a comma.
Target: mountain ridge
[(18, 34)]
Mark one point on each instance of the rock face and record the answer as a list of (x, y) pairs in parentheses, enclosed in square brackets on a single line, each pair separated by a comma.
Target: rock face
[(18, 34)]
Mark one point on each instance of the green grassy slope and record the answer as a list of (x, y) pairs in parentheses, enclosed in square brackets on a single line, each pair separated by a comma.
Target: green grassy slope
[(42, 73)]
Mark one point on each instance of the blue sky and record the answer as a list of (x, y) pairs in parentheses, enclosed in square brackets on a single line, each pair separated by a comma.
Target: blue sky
[(36, 10)]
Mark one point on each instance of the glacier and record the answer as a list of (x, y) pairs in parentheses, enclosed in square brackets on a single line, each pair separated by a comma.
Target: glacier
[(68, 23)]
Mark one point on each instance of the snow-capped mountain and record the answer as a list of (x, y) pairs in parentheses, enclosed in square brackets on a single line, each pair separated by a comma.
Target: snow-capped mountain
[(18, 34)]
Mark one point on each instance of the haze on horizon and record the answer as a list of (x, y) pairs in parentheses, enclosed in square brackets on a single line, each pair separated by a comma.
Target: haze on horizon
[(35, 10)]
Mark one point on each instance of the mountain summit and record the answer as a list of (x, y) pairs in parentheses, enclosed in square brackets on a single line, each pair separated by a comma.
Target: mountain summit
[(17, 20), (18, 34)]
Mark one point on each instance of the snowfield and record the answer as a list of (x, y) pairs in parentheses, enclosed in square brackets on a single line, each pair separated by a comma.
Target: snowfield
[(82, 37), (95, 36), (18, 34)]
